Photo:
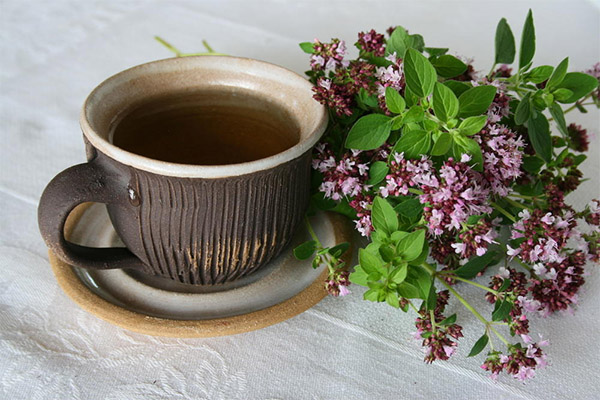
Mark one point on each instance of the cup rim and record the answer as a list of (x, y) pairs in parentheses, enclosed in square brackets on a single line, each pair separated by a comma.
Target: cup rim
[(255, 67)]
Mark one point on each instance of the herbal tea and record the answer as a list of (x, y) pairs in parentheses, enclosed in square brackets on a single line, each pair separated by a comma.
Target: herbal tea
[(209, 128)]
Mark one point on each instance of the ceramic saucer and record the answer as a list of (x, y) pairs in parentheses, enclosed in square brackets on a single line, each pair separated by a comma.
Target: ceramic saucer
[(158, 306)]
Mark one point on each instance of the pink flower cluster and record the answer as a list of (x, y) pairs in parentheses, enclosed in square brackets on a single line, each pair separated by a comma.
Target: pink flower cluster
[(452, 194), (475, 239), (337, 284), (371, 42), (437, 341), (544, 236), (520, 362), (347, 178), (343, 178), (502, 157), (557, 270), (558, 283), (328, 56)]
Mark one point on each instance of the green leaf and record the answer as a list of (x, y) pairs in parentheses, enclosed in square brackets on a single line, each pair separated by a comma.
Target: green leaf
[(540, 74), (479, 345), (448, 66), (342, 207), (414, 143), (457, 87), (368, 261), (472, 125), (539, 136), (436, 51), (580, 84), (394, 101), (417, 42), (371, 295), (523, 110), (359, 276), (559, 74), (476, 100), (559, 117), (411, 245), (392, 299), (464, 145), (475, 265), (502, 312), (305, 250), (448, 321), (383, 215), (408, 291), (369, 132), (339, 249), (442, 144), (377, 172), (505, 43), (414, 114), (366, 100), (527, 41), (473, 219), (431, 300), (397, 122), (398, 275), (410, 208), (419, 73), (387, 253), (505, 284), (307, 47), (398, 42), (562, 94), (422, 257), (397, 236), (422, 279), (532, 164), (445, 103)]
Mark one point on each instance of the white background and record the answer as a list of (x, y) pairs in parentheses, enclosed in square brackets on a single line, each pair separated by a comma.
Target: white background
[(52, 53)]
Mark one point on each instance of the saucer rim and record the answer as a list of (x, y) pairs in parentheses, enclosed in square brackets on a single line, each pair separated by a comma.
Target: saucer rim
[(91, 302)]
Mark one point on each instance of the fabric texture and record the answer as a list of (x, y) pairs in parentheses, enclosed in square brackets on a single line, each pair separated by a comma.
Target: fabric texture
[(52, 54)]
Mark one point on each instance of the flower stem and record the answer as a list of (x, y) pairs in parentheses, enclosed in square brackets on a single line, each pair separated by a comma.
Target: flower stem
[(581, 103), (520, 196), (517, 204), (168, 45), (503, 211), (470, 282), (465, 303), (310, 229)]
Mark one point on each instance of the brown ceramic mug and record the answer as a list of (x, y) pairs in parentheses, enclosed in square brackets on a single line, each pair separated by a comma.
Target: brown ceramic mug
[(194, 224)]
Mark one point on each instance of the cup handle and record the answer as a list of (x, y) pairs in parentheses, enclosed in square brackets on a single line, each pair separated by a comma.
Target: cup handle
[(81, 183)]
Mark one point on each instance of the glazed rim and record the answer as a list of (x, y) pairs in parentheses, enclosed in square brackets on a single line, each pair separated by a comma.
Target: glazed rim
[(187, 75)]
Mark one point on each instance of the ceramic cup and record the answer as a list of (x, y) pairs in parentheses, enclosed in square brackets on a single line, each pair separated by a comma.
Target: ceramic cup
[(194, 224)]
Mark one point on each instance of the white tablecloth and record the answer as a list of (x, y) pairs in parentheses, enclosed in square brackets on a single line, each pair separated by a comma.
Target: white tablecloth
[(52, 53)]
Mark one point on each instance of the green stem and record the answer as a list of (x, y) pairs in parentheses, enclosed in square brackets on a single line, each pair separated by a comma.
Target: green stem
[(168, 45), (465, 303), (413, 306), (574, 106), (503, 211), (517, 204), (520, 196), (207, 46), (415, 191), (470, 282), (312, 232), (469, 307), (432, 318), (489, 75)]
